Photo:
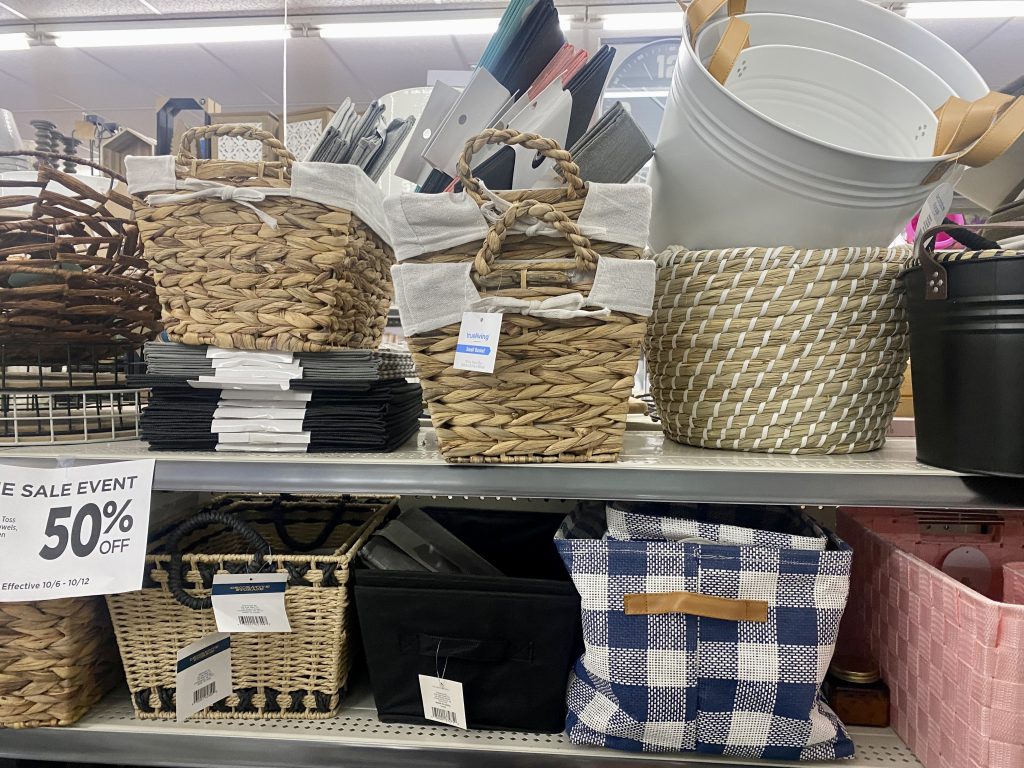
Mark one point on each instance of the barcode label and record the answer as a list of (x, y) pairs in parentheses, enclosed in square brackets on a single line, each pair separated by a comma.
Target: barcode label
[(201, 693), (443, 701), (444, 715), (253, 621)]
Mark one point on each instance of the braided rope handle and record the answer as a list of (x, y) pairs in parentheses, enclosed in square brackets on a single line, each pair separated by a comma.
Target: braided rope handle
[(248, 534), (570, 172), (191, 137), (586, 256)]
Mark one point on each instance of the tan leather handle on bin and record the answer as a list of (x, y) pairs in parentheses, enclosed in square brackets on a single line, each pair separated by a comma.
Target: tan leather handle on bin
[(708, 606)]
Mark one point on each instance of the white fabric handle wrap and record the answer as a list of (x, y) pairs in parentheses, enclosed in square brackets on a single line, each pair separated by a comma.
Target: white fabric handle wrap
[(431, 296), (213, 190), (563, 307), (339, 186)]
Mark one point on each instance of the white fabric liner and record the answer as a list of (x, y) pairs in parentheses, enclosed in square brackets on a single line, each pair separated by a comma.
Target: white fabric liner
[(431, 296), (617, 213), (339, 186)]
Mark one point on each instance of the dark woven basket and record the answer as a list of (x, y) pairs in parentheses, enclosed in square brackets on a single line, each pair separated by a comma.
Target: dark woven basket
[(72, 269)]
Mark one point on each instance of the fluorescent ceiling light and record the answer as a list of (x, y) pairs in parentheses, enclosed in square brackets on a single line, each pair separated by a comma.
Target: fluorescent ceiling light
[(13, 41), (641, 22), (423, 28), (355, 30), (100, 38), (966, 9)]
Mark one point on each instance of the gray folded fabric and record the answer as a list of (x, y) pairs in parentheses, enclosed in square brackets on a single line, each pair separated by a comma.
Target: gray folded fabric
[(614, 150)]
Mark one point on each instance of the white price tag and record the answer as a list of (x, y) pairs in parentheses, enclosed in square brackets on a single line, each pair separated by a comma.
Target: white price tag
[(204, 674), (250, 602), (477, 348), (935, 208), (443, 702), (73, 531)]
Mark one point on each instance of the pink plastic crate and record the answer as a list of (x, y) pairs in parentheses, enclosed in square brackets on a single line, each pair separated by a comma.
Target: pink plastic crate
[(1013, 584), (953, 658)]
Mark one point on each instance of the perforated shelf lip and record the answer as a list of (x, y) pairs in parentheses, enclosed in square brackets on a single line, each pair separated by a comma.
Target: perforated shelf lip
[(650, 468), (357, 739)]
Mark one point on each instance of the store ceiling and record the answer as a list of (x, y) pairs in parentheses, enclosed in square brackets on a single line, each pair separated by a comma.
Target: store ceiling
[(125, 84)]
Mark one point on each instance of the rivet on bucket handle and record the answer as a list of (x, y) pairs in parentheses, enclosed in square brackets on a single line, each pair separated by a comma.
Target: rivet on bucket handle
[(191, 137), (586, 256), (936, 279), (249, 534), (575, 187)]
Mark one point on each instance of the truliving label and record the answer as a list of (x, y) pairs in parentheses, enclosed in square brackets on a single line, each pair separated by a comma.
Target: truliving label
[(477, 348), (203, 674), (250, 602)]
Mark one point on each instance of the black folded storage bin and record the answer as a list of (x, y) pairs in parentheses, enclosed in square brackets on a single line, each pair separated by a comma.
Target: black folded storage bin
[(510, 640)]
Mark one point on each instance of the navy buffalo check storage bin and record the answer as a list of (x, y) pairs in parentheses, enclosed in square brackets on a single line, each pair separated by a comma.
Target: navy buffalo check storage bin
[(707, 629)]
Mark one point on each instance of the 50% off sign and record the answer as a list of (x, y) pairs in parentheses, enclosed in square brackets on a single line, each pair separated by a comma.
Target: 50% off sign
[(73, 531)]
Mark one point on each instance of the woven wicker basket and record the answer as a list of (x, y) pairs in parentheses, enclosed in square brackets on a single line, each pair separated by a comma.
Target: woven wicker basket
[(57, 659), (560, 388), (778, 350), (319, 281), (72, 270), (301, 674)]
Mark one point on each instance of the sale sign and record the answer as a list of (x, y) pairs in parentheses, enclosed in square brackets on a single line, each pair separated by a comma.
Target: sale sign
[(73, 531)]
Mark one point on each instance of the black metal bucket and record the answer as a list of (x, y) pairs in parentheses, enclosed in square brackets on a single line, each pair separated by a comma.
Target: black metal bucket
[(966, 313)]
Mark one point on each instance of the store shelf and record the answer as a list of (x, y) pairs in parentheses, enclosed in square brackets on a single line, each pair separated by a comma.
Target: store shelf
[(650, 468), (111, 735)]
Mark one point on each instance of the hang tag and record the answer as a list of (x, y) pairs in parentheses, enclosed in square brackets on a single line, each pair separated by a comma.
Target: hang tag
[(250, 602), (477, 348), (443, 701), (935, 208), (204, 674)]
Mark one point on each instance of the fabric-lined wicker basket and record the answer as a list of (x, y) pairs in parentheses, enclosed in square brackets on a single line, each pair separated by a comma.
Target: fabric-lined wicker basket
[(778, 349), (301, 674), (57, 659), (276, 255), (71, 266), (570, 338)]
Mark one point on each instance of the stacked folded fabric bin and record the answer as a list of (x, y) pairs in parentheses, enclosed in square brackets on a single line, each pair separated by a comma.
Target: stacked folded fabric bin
[(233, 400)]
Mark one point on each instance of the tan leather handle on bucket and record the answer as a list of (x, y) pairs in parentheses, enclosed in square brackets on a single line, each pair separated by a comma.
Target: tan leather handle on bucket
[(695, 604), (699, 12)]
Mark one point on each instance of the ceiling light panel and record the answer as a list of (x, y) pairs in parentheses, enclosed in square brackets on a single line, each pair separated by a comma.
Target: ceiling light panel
[(109, 38)]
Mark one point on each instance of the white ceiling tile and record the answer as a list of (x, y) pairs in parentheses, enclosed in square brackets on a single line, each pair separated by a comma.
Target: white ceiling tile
[(962, 34), (77, 9), (1000, 56)]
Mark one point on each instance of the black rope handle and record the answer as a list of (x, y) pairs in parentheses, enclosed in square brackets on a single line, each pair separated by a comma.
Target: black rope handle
[(293, 544), (252, 538)]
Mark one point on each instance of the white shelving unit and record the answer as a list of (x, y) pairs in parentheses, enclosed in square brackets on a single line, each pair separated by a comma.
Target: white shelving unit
[(651, 468), (111, 734)]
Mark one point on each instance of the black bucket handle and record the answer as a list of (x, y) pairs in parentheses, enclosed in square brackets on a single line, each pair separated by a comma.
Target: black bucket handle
[(936, 279), (252, 538)]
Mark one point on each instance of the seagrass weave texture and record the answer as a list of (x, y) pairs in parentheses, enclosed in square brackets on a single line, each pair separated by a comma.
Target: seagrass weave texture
[(71, 266), (318, 281), (301, 674), (57, 659), (778, 350), (560, 388)]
